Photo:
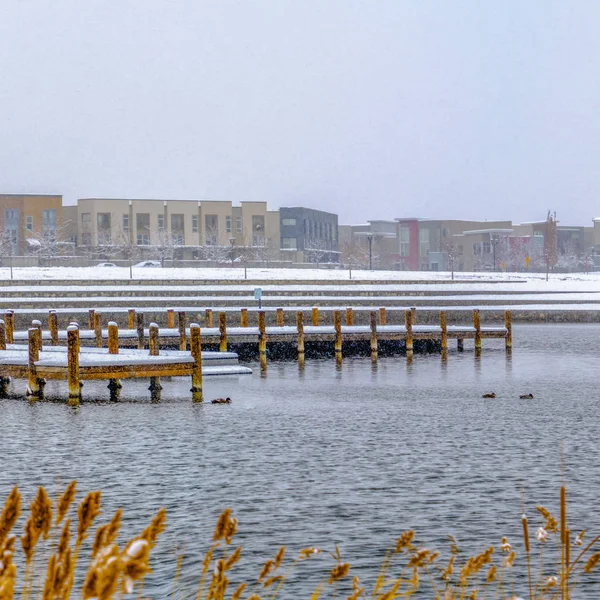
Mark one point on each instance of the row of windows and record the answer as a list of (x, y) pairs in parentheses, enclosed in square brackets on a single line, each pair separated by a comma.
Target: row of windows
[(11, 217), (319, 230)]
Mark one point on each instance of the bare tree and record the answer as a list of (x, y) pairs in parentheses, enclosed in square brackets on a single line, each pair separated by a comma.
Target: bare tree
[(266, 251), (451, 251), (212, 250), (47, 243), (163, 247), (569, 258), (550, 242), (316, 251)]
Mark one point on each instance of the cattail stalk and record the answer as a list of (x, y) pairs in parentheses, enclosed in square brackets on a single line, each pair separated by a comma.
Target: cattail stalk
[(527, 554)]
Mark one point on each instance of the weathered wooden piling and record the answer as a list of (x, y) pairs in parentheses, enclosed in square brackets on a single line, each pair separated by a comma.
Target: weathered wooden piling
[(349, 316), (53, 327), (279, 317), (2, 335), (73, 365), (154, 350), (196, 350), (208, 317), (131, 318), (4, 381), (170, 318), (300, 326), (114, 385), (444, 328), (262, 339), (373, 324), (337, 324), (182, 323), (382, 316), (9, 318), (244, 317), (35, 389), (91, 319), (98, 329), (409, 332), (315, 316), (413, 315), (460, 344), (508, 325), (38, 326), (139, 317), (222, 332), (477, 326)]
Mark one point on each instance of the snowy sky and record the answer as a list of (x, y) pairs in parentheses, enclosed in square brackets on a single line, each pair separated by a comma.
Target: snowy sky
[(434, 108)]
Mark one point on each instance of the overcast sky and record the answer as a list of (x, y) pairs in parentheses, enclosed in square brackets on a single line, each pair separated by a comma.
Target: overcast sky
[(375, 109)]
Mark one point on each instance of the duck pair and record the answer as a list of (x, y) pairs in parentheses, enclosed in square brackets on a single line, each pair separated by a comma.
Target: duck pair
[(522, 396), (221, 401)]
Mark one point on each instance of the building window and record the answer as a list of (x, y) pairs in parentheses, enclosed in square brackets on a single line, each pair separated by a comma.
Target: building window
[(125, 222), (238, 224), (487, 249), (49, 219), (211, 229), (161, 222), (86, 218), (289, 243), (86, 239), (29, 223), (288, 222), (103, 222), (460, 249), (142, 226), (194, 223), (228, 224), (476, 248), (404, 240), (177, 231), (423, 242)]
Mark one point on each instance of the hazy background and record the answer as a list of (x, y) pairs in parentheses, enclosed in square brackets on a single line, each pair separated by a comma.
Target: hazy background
[(380, 109)]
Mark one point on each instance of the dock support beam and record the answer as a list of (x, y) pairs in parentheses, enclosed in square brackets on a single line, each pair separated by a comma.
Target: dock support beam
[(114, 385), (170, 318), (262, 340), (53, 327), (382, 316), (131, 318), (73, 365), (413, 315), (2, 335), (35, 388), (155, 386), (508, 325), (38, 325), (315, 317), (349, 316), (223, 332), (4, 381), (244, 317), (98, 329), (337, 324), (444, 328), (280, 320), (182, 330), (91, 320), (409, 333), (196, 350), (373, 324), (477, 325), (300, 325), (460, 344), (208, 319), (139, 317), (9, 317)]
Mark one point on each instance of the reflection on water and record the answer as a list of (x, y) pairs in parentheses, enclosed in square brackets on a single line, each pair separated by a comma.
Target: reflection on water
[(325, 455)]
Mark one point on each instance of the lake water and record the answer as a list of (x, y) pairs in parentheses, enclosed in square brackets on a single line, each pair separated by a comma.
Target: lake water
[(351, 456)]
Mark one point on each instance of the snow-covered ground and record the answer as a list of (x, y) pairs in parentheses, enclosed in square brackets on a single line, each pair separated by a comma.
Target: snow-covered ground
[(530, 282)]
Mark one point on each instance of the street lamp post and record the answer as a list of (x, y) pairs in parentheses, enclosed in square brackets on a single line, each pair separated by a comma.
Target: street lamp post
[(370, 238), (232, 242)]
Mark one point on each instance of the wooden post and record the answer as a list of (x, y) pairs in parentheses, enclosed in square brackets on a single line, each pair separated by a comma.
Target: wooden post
[(280, 320), (35, 389), (73, 365), (413, 315), (53, 327), (409, 332), (460, 344), (91, 320), (98, 329), (337, 323), (113, 338), (114, 385), (444, 328), (349, 316), (208, 319), (244, 317), (477, 325), (382, 316), (508, 325), (196, 350), (140, 330), (171, 318), (223, 332), (131, 318), (38, 325), (182, 330), (9, 317), (153, 345), (315, 316), (2, 335), (262, 340), (373, 323), (300, 325), (4, 381)]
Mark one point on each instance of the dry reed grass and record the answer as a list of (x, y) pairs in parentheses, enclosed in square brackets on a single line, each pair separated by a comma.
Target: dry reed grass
[(48, 563)]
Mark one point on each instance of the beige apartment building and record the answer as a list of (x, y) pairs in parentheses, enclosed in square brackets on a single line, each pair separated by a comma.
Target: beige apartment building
[(184, 223)]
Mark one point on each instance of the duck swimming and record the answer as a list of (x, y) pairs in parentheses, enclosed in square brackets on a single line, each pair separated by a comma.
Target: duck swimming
[(221, 401), (490, 395), (526, 396)]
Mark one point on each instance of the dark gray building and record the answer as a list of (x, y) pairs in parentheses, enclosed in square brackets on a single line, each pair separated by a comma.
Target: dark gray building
[(311, 232)]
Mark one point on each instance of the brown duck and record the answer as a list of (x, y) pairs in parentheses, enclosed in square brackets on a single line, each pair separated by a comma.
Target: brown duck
[(490, 395), (526, 396), (221, 401)]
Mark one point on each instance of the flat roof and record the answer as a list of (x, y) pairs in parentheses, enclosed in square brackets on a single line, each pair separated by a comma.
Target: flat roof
[(492, 230)]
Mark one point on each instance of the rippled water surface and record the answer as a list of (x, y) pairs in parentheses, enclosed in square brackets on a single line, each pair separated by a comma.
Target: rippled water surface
[(350, 456)]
